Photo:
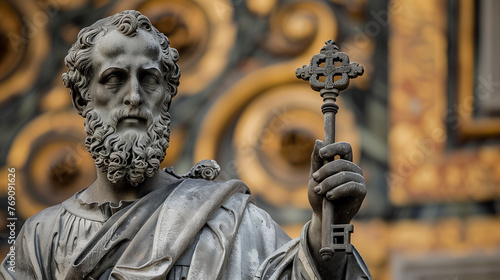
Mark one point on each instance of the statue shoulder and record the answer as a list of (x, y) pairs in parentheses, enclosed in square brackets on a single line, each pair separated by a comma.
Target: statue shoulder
[(208, 187), (43, 218)]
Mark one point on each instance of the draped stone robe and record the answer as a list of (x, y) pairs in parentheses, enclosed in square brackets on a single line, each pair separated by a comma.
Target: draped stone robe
[(199, 230)]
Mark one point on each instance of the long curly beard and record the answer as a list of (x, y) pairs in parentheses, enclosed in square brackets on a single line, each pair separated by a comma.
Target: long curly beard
[(132, 156)]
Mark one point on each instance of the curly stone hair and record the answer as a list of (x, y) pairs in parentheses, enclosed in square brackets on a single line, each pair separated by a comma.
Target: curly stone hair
[(79, 60)]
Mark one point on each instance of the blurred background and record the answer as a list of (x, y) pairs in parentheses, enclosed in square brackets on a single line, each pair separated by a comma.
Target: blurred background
[(423, 120)]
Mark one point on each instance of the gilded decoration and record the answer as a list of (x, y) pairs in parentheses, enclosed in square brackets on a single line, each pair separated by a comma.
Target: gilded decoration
[(468, 125), (273, 111), (51, 161), (454, 238), (421, 170), (278, 121), (24, 44)]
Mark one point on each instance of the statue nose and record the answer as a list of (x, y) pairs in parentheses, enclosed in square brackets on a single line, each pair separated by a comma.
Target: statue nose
[(133, 97)]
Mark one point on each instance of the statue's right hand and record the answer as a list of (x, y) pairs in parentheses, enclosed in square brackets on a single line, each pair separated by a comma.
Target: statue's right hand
[(338, 180)]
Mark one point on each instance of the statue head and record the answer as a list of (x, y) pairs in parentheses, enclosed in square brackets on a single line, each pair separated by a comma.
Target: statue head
[(122, 75)]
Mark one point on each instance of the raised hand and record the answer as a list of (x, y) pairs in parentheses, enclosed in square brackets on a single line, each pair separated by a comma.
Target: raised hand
[(340, 181)]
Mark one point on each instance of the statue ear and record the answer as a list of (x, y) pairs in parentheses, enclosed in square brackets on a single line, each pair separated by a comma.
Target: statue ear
[(79, 102)]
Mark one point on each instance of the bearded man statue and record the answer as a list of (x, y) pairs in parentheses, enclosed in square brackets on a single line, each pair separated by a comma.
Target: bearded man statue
[(138, 222)]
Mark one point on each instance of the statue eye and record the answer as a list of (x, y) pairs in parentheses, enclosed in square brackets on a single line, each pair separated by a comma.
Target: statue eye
[(150, 80), (113, 80)]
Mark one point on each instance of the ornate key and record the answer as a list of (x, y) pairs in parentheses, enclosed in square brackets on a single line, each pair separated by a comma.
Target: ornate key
[(334, 237)]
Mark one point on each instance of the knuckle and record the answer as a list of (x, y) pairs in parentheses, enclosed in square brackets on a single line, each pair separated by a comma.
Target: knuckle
[(320, 189), (359, 177)]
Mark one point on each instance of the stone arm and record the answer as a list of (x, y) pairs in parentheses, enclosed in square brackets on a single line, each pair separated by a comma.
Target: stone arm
[(18, 264), (29, 261), (295, 261), (262, 250)]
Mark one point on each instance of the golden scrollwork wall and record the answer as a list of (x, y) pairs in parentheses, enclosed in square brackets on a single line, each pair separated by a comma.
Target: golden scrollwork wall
[(422, 170), (430, 165), (433, 163), (51, 161), (25, 44), (276, 118)]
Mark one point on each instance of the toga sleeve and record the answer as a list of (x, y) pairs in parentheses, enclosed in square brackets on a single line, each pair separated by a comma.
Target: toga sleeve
[(294, 261)]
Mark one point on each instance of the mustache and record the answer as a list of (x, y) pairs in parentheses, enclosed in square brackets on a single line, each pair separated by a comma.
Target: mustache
[(118, 114)]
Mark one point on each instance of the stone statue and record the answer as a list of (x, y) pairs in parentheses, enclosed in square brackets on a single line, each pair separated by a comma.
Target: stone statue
[(138, 222)]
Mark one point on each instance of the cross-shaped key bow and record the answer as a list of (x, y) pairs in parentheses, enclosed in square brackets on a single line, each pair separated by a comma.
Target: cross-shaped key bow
[(329, 54)]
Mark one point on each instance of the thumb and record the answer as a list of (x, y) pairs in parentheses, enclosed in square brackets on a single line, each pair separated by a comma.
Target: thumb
[(316, 161)]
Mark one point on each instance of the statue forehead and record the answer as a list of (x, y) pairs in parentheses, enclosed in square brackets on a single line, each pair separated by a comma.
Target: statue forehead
[(114, 43)]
